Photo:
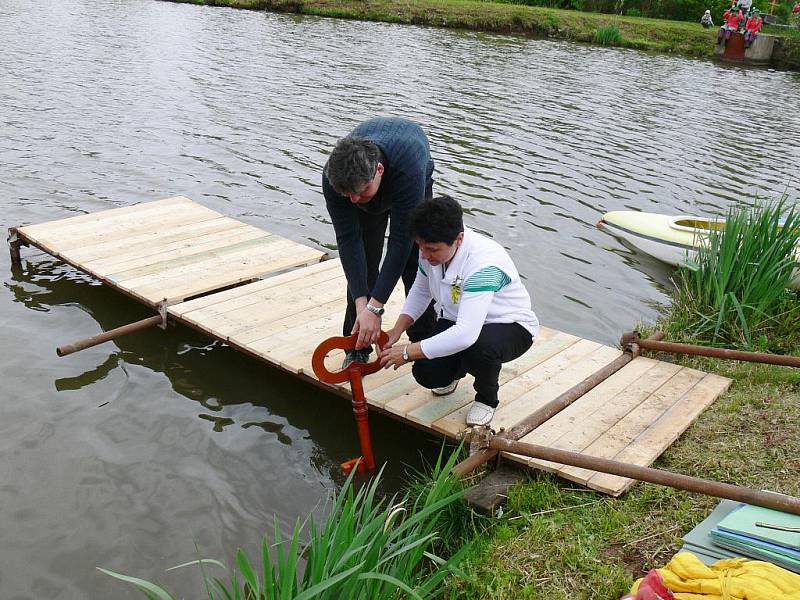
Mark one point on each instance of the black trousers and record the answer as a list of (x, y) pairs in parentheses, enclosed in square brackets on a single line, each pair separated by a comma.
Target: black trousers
[(373, 233), (497, 343)]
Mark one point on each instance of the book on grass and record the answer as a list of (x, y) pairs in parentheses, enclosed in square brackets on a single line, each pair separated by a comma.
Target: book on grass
[(744, 542), (766, 555), (742, 521)]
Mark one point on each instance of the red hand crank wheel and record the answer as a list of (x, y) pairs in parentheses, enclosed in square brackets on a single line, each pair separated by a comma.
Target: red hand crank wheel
[(353, 373)]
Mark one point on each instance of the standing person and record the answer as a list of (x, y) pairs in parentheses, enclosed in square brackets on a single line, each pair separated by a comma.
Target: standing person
[(705, 20), (484, 310), (378, 173)]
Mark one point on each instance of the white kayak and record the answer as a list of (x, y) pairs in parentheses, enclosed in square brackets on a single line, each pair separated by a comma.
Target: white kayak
[(672, 239)]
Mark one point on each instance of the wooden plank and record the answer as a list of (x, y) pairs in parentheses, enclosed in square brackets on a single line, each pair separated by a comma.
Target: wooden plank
[(41, 228), (253, 295), (197, 255), (185, 308), (216, 276), (259, 312), (513, 412), (439, 408), (158, 252), (281, 327), (253, 252), (628, 427), (118, 247), (663, 432), (581, 423), (556, 355), (128, 225)]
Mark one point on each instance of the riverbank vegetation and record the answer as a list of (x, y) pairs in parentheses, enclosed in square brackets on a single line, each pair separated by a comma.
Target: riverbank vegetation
[(660, 35)]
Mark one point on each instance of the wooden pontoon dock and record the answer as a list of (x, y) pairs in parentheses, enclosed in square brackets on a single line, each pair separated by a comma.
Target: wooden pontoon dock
[(276, 300)]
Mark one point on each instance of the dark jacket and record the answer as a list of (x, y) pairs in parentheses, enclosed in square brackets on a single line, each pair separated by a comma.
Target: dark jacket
[(408, 168)]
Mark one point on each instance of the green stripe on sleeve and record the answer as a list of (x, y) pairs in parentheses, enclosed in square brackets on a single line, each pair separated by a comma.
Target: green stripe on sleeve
[(488, 279)]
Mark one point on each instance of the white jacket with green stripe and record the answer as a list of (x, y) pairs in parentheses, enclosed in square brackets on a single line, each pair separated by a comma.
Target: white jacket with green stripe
[(480, 285)]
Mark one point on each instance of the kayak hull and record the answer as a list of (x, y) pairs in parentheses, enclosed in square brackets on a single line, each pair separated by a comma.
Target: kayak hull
[(669, 238)]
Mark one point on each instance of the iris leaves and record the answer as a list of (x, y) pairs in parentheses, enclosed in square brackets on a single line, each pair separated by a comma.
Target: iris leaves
[(734, 293), (368, 548)]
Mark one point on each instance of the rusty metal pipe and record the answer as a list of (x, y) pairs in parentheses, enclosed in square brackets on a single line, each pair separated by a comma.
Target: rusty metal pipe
[(553, 407), (109, 335), (775, 501), (759, 357)]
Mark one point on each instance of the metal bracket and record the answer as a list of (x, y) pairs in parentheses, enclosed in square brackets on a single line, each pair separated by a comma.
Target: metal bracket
[(162, 311), (479, 438)]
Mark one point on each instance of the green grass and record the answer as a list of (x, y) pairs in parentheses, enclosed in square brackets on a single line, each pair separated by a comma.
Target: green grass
[(368, 548), (735, 293)]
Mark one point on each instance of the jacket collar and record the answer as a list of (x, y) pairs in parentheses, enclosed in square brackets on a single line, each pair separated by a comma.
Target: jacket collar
[(455, 268)]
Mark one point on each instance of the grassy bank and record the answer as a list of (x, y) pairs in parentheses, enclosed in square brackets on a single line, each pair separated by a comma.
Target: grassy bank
[(556, 540), (658, 35)]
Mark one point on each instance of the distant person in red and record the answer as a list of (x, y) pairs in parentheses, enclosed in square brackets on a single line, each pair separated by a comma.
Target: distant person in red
[(796, 9), (753, 26), (733, 18)]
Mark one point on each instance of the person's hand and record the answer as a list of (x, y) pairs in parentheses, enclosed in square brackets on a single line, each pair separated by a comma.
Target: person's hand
[(394, 335), (368, 327), (392, 357)]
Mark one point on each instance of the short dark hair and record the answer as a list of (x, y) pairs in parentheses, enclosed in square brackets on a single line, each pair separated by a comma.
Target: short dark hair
[(439, 219), (352, 164)]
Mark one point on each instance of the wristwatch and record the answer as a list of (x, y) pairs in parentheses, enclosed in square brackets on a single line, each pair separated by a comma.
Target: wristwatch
[(405, 353), (374, 309)]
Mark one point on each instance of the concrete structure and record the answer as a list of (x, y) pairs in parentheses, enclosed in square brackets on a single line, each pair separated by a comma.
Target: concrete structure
[(760, 53)]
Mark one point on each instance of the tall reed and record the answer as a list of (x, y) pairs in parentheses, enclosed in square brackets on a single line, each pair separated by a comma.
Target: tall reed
[(734, 291), (608, 36), (367, 548)]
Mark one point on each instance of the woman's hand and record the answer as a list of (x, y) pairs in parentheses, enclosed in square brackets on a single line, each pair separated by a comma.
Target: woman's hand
[(392, 357)]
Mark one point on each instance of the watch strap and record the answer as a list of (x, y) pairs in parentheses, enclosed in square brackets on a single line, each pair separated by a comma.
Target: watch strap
[(405, 353), (375, 310)]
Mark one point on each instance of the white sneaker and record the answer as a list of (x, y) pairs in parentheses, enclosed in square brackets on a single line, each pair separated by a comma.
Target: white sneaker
[(448, 389), (480, 414)]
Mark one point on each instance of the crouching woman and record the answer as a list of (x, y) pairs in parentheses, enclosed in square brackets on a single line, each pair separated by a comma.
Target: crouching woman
[(483, 310)]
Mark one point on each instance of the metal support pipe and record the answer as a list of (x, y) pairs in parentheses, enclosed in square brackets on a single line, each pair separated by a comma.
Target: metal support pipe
[(532, 421), (14, 244), (109, 335), (759, 357), (771, 500)]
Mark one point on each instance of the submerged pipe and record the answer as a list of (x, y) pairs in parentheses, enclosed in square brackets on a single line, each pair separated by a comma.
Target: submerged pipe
[(771, 500), (109, 335), (759, 357), (532, 421)]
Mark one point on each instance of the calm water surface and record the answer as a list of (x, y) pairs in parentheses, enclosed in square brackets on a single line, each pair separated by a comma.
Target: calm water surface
[(125, 456)]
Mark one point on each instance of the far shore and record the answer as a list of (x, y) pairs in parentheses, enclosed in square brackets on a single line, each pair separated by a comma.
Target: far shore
[(657, 35)]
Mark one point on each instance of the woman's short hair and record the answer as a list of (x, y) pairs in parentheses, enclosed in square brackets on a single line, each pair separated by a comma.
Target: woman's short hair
[(439, 219), (352, 164)]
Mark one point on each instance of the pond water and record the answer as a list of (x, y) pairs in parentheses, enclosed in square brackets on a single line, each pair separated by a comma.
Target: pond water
[(127, 455)]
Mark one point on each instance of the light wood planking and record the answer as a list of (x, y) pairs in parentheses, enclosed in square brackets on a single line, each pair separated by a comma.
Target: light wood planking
[(132, 245), (662, 432), (189, 308)]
